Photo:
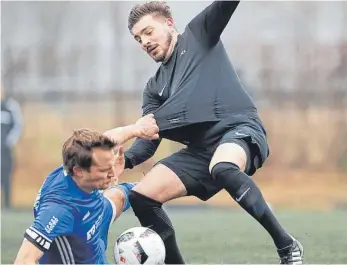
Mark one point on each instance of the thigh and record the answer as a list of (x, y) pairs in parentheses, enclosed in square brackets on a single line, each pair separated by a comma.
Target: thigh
[(191, 167), (245, 145), (161, 184)]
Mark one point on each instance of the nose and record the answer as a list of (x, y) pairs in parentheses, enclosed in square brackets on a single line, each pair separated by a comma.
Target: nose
[(145, 43), (111, 174)]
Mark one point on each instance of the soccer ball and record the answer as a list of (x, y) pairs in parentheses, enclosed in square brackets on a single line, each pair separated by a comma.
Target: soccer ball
[(139, 245)]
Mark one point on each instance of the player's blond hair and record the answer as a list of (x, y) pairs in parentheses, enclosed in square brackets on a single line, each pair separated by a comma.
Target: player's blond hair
[(156, 8)]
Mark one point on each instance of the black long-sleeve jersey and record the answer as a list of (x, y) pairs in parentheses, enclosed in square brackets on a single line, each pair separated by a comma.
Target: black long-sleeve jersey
[(196, 87)]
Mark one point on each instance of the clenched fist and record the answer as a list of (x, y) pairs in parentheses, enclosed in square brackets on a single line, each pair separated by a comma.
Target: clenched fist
[(147, 127)]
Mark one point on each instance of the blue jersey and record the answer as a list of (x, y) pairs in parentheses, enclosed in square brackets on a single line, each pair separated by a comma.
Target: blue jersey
[(70, 226)]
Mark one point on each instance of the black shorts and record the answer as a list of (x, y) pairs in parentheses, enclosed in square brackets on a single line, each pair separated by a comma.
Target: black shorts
[(191, 164)]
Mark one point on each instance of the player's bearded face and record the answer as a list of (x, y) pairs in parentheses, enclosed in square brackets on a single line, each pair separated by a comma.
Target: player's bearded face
[(160, 53), (155, 36)]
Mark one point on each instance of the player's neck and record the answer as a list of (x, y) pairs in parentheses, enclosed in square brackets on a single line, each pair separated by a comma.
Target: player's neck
[(172, 46)]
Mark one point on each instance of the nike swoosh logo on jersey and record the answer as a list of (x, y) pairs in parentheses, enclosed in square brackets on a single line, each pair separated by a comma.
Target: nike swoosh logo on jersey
[(162, 91)]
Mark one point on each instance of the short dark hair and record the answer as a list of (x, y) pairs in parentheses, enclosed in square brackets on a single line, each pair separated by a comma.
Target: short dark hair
[(78, 149), (157, 8)]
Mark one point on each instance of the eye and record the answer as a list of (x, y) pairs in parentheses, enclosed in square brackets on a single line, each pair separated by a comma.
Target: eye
[(149, 32), (138, 40)]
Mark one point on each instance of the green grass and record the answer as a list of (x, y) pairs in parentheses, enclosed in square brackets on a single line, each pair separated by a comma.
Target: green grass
[(220, 235)]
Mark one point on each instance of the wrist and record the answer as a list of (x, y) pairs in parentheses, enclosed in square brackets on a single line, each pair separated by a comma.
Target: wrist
[(136, 130)]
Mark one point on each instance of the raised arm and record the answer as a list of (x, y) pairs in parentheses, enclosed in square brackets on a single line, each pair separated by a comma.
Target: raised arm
[(209, 24), (145, 128)]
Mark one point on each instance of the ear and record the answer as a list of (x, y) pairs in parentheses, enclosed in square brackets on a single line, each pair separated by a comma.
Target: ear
[(170, 22), (77, 171)]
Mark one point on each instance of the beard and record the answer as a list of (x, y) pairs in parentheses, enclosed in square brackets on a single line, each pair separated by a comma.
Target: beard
[(161, 57)]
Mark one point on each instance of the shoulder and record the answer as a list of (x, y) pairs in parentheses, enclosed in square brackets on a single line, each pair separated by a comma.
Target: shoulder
[(55, 182), (55, 209), (189, 40), (56, 191)]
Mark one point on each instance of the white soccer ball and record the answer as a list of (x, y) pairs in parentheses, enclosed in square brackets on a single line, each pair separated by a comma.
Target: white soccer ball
[(139, 245)]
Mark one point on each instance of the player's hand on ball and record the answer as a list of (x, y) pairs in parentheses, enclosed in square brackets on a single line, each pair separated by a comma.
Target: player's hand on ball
[(147, 127), (120, 161)]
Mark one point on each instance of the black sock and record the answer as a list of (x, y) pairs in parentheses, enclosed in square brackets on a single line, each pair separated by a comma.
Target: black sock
[(151, 214), (246, 193)]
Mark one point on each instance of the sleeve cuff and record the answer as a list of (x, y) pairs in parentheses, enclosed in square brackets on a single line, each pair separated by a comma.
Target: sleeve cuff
[(37, 239)]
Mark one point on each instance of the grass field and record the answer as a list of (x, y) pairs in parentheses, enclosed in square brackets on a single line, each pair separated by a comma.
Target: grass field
[(220, 235)]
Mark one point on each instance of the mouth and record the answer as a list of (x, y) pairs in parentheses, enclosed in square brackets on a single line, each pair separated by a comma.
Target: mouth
[(111, 181), (151, 49)]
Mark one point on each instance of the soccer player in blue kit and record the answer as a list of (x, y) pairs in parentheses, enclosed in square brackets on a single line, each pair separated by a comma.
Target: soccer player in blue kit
[(78, 201)]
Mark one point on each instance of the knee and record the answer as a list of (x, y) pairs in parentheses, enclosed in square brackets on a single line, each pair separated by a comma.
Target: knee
[(224, 168), (135, 199), (235, 153), (140, 202), (149, 212)]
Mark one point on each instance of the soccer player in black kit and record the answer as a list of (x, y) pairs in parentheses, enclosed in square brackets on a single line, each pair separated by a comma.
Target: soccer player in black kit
[(198, 100)]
